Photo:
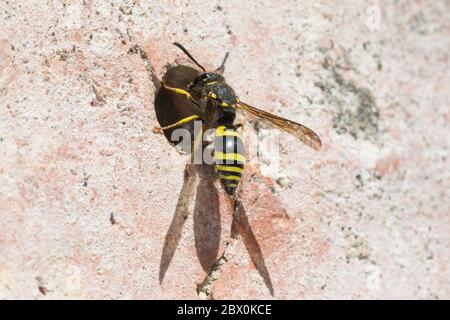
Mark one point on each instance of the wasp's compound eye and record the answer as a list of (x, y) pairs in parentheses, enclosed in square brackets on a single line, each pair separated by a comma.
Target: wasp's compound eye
[(206, 77)]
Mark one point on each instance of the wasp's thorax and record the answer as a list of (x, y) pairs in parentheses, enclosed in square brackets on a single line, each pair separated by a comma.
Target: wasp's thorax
[(208, 77)]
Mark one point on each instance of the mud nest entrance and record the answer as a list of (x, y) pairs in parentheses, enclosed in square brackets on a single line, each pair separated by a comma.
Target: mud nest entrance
[(171, 107)]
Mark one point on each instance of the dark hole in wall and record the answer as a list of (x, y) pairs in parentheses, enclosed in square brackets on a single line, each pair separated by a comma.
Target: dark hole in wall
[(171, 107)]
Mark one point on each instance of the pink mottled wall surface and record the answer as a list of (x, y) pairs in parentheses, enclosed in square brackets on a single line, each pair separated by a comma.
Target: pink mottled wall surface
[(88, 192)]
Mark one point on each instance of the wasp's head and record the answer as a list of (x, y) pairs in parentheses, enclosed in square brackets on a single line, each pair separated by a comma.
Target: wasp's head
[(207, 78)]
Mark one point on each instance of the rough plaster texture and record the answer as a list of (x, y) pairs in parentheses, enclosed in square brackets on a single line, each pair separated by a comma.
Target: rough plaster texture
[(88, 192)]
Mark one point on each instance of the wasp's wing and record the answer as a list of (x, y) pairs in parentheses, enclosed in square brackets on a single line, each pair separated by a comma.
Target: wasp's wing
[(305, 134)]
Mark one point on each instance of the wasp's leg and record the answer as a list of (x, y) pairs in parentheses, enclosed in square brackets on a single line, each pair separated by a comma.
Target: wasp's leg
[(239, 126), (180, 91), (178, 123)]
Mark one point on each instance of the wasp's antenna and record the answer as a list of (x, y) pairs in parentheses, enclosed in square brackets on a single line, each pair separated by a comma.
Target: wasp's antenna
[(189, 55), (222, 66)]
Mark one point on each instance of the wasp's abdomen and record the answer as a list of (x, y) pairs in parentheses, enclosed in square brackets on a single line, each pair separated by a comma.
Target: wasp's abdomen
[(229, 156)]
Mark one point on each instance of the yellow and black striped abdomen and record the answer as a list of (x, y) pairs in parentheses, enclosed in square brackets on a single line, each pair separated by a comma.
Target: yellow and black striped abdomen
[(229, 156)]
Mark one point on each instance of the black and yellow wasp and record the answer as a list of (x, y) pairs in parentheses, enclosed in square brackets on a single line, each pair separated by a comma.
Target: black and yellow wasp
[(215, 103)]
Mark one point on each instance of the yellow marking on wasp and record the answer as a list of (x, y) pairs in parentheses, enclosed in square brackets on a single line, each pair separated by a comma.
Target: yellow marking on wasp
[(233, 185), (229, 156), (237, 178), (234, 105), (212, 82), (212, 95), (229, 169), (224, 104), (222, 131), (177, 90)]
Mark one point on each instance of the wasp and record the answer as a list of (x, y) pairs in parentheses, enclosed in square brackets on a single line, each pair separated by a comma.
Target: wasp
[(215, 103)]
